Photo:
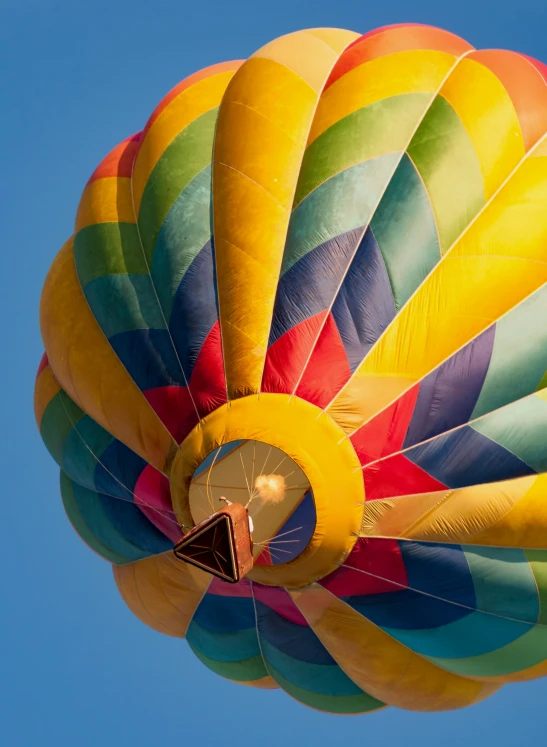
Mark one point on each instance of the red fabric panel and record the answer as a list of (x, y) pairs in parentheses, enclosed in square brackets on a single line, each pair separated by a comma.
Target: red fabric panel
[(287, 357), (153, 497), (392, 39), (264, 558), (208, 382), (386, 432), (396, 476), (43, 363), (328, 369), (279, 601), (221, 588), (381, 557), (119, 162)]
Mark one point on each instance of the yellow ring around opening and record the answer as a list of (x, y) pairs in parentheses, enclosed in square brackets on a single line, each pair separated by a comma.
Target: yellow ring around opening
[(317, 444)]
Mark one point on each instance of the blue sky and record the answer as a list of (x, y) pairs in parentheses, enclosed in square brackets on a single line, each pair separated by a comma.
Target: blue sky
[(76, 668)]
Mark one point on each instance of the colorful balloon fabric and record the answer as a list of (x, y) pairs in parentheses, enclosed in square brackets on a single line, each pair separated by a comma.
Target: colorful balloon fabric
[(325, 264)]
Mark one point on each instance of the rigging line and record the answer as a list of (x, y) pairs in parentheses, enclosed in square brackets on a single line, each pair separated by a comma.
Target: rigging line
[(253, 469), (441, 599), (283, 534), (245, 476), (208, 482), (279, 465), (273, 554)]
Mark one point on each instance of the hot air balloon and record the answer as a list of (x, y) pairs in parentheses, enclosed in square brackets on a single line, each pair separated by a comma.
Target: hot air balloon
[(312, 293)]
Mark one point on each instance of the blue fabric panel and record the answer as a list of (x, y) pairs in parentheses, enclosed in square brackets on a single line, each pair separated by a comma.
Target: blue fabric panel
[(225, 614), (364, 304), (303, 516), (194, 308), (129, 520), (465, 457), (118, 471), (441, 572), (297, 641), (149, 357), (92, 511), (310, 285), (448, 394)]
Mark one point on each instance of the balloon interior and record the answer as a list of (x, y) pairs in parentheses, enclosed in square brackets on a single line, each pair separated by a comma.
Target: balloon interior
[(296, 368)]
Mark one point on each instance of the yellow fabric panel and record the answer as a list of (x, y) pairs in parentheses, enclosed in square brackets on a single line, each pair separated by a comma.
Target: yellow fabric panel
[(178, 114), (338, 39), (45, 388), (392, 75), (261, 133), (487, 113), (162, 592), (307, 54), (264, 683), (89, 371), (510, 513), (379, 664), (105, 200), (496, 263), (328, 461)]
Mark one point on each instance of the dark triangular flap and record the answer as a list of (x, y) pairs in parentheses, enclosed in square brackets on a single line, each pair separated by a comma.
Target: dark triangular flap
[(211, 548)]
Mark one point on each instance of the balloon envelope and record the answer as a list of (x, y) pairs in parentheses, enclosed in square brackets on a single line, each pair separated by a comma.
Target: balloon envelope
[(315, 284)]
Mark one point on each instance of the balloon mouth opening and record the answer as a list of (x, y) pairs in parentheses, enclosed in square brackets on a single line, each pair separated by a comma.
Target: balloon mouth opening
[(270, 485)]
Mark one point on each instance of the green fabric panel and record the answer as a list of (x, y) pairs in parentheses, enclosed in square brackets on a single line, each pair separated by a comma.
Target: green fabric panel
[(525, 652), (341, 204), (99, 525), (405, 230), (519, 356), (239, 671), (108, 249), (521, 428), (361, 703), (76, 519), (182, 160), (504, 582), (446, 160), (383, 127), (123, 303), (186, 229), (237, 645), (83, 448), (59, 417), (538, 564)]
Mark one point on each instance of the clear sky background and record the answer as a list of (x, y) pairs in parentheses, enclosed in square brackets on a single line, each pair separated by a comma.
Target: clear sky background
[(76, 668)]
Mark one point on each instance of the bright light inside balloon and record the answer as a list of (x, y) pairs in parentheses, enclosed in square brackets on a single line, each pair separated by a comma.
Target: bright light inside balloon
[(270, 488)]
